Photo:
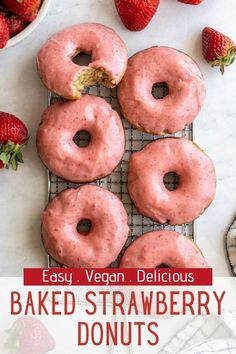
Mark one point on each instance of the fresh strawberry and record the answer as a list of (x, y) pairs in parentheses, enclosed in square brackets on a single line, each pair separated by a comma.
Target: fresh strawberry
[(15, 24), (217, 49), (28, 335), (27, 9), (13, 137), (4, 31), (191, 2), (136, 14)]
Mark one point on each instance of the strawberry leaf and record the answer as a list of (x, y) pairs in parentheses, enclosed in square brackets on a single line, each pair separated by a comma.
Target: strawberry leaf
[(4, 158), (14, 164), (223, 61), (11, 155), (19, 156)]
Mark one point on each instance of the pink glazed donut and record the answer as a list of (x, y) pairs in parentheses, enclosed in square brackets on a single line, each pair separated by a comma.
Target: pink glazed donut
[(67, 79), (63, 157), (197, 180), (102, 244), (167, 248), (185, 83)]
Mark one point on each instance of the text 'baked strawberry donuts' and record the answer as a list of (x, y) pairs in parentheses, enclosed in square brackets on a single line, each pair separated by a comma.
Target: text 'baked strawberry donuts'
[(160, 248), (194, 169), (56, 139), (96, 248), (61, 75), (186, 90)]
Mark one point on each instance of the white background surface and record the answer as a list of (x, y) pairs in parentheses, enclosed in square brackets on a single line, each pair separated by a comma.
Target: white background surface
[(23, 195)]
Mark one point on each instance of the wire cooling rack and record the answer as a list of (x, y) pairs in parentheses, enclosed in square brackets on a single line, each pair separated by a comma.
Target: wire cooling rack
[(117, 181)]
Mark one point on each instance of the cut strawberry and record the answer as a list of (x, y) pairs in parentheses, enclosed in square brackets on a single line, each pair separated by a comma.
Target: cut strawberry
[(15, 24), (27, 9), (4, 31)]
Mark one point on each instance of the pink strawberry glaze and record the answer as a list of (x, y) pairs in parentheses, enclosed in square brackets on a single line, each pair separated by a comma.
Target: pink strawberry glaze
[(197, 180), (54, 60), (106, 238), (186, 90), (63, 157), (163, 247)]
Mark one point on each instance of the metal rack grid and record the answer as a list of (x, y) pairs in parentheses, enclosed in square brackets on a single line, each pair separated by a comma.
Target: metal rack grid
[(117, 181)]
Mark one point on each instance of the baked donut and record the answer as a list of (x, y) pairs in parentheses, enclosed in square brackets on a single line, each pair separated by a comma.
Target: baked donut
[(55, 139), (97, 248), (67, 79), (185, 83), (158, 248), (197, 180)]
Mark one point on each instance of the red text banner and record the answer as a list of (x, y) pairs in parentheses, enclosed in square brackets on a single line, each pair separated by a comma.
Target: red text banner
[(117, 277)]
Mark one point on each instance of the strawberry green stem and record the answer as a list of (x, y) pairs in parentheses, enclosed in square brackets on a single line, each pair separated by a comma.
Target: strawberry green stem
[(11, 155), (223, 61)]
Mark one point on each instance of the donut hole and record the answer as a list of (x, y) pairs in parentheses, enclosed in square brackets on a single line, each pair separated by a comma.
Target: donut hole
[(82, 59), (160, 90), (171, 181), (163, 266), (84, 226), (82, 138)]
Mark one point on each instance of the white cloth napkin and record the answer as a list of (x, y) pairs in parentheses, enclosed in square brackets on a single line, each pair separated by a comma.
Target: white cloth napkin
[(205, 334), (231, 246)]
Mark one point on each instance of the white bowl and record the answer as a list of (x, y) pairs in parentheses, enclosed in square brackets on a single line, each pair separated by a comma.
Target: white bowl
[(23, 34)]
